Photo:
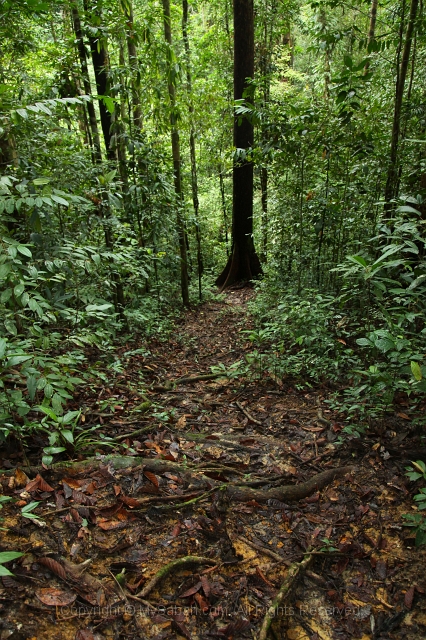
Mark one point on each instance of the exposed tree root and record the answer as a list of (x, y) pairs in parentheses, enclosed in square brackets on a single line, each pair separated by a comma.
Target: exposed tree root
[(287, 493), (175, 565), (235, 492), (292, 575)]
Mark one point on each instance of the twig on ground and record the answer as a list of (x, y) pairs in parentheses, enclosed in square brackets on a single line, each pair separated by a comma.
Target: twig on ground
[(247, 414), (264, 550)]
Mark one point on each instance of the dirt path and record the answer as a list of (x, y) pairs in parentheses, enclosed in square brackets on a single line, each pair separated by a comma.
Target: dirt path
[(105, 533)]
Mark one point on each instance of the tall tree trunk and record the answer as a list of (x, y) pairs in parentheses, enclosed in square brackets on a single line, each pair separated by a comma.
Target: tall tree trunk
[(392, 176), (98, 49), (86, 82), (372, 29), (176, 159), (133, 63), (194, 181), (243, 264)]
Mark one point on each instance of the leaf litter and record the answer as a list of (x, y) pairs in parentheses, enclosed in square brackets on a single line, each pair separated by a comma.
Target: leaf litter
[(128, 552)]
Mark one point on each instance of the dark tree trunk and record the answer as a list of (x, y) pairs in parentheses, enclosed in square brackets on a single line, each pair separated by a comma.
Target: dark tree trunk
[(98, 49), (392, 177), (194, 180), (243, 264), (86, 82), (176, 162), (133, 63), (372, 29)]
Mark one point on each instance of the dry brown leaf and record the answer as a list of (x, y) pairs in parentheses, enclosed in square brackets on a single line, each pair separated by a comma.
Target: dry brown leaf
[(55, 597), (181, 423), (408, 598), (151, 477), (54, 567), (21, 478), (130, 502)]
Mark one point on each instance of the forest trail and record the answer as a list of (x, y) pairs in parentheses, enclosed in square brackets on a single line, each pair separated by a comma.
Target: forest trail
[(91, 563)]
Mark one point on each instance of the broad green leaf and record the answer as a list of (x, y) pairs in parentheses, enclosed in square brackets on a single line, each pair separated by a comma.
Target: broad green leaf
[(25, 251), (364, 342), (358, 259), (7, 556), (32, 386), (19, 290), (11, 327), (416, 370), (47, 410), (4, 271), (48, 391), (3, 345), (60, 200), (68, 435), (25, 299), (54, 450), (14, 360)]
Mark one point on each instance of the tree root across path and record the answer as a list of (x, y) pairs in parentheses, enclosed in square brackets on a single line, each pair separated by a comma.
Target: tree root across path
[(235, 492), (175, 565), (290, 580)]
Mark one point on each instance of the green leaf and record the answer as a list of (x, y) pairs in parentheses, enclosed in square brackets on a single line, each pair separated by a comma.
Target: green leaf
[(47, 410), (41, 181), (14, 360), (364, 342), (29, 507), (4, 571), (60, 200), (4, 271), (32, 386), (358, 259), (109, 103), (53, 450), (47, 460), (24, 299), (109, 177), (22, 112), (48, 390), (416, 370), (19, 290), (3, 345), (25, 251), (7, 556), (10, 326), (68, 435)]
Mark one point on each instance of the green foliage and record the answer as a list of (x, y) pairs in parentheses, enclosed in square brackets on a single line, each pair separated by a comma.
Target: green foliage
[(8, 556), (417, 521)]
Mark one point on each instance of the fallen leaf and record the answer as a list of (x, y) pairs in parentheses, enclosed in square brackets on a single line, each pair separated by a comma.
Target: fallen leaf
[(21, 478), (54, 567), (55, 597), (408, 598), (151, 477)]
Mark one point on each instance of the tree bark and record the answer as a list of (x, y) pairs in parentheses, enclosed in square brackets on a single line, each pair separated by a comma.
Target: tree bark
[(133, 63), (371, 30), (243, 264), (86, 82), (194, 180), (392, 176), (176, 160), (99, 52)]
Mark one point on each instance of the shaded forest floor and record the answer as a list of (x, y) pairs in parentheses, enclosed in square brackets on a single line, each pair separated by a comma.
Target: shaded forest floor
[(104, 531)]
